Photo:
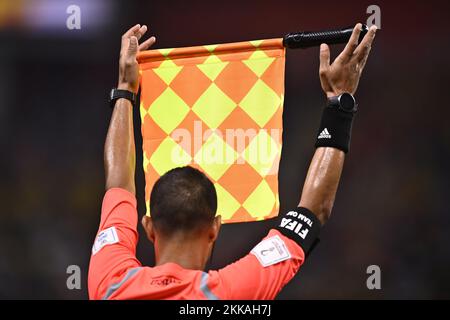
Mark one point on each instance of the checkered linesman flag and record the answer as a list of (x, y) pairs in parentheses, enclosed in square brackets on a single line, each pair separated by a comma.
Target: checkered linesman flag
[(217, 108)]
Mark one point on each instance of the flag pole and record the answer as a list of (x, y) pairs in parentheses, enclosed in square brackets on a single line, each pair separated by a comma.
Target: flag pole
[(307, 39)]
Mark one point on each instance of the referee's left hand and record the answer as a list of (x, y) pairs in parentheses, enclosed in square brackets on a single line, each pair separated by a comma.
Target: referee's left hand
[(128, 65), (343, 75)]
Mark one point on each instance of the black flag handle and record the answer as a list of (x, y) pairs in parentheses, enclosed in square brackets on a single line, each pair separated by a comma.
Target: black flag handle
[(309, 39)]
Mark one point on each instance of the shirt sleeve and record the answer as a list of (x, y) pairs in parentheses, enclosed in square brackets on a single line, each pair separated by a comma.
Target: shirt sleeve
[(114, 249), (262, 273)]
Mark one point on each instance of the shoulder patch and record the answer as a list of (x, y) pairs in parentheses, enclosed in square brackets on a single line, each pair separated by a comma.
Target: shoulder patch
[(271, 251), (105, 237)]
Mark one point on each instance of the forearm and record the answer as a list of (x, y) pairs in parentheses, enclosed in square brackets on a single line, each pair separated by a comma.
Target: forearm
[(120, 153), (304, 223), (322, 181)]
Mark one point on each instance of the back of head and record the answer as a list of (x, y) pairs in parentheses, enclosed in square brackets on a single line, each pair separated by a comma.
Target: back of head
[(183, 200)]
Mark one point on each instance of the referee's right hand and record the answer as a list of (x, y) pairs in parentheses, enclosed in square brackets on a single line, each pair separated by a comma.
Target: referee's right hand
[(343, 75)]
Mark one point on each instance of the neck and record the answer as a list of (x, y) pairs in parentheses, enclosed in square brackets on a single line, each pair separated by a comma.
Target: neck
[(187, 253)]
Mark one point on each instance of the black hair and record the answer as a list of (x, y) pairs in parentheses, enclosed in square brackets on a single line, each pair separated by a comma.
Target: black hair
[(183, 199)]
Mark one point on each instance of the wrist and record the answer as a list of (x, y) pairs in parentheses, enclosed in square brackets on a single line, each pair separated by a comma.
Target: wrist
[(331, 94), (336, 124), (128, 87), (344, 102), (120, 93)]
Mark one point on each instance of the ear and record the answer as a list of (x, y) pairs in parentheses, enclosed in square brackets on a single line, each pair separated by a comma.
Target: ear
[(147, 223), (215, 228)]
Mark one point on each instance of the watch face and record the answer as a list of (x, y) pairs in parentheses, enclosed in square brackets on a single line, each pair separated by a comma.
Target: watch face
[(347, 102)]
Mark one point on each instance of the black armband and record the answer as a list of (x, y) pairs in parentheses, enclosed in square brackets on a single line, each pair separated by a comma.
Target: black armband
[(302, 226), (335, 129)]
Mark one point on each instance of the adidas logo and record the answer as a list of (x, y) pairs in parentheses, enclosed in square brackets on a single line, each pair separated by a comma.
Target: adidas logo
[(324, 134)]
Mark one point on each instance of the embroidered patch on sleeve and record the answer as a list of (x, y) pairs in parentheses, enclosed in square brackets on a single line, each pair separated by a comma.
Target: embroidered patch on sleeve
[(271, 251), (105, 237)]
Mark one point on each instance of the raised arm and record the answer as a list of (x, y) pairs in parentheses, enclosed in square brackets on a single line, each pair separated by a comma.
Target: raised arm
[(120, 153), (341, 77), (275, 260), (114, 249)]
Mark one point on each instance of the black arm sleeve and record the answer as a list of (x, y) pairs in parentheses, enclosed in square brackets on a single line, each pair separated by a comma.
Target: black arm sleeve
[(302, 226)]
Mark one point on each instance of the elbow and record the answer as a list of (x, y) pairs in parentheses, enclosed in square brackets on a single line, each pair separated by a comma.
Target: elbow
[(323, 212), (323, 217), (119, 177), (119, 170)]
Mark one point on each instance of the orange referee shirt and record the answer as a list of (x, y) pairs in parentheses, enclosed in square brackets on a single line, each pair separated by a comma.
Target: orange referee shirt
[(116, 273)]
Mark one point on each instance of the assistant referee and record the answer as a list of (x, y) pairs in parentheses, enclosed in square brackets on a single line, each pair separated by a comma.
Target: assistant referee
[(183, 202)]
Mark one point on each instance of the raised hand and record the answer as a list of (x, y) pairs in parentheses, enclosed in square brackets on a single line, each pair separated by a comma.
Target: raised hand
[(128, 65), (344, 74)]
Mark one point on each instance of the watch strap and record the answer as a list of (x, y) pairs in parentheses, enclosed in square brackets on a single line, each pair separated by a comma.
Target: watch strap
[(118, 94)]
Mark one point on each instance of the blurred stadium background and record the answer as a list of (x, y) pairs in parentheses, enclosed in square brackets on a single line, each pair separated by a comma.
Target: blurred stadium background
[(391, 208)]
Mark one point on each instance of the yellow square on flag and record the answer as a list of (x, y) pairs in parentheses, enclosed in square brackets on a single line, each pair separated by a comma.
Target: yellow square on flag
[(217, 108)]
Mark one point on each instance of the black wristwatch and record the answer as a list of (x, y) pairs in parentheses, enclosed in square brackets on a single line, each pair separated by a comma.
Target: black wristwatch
[(118, 93), (344, 102)]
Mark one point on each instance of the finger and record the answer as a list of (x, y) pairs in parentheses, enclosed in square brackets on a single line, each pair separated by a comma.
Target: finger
[(324, 57), (126, 37), (131, 31), (352, 42), (362, 51), (139, 33), (147, 44), (362, 63), (133, 46)]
